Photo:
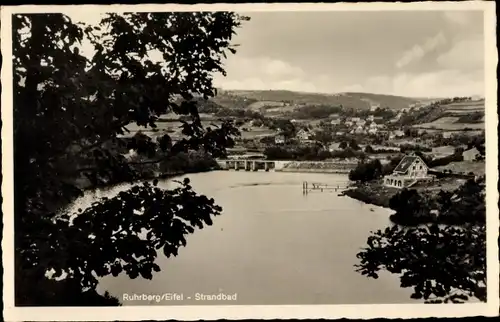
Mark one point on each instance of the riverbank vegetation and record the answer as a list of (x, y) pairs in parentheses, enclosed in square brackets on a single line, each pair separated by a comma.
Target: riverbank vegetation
[(69, 112), (442, 264), (464, 205)]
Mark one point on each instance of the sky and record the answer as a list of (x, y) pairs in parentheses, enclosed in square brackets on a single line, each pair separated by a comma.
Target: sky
[(407, 53)]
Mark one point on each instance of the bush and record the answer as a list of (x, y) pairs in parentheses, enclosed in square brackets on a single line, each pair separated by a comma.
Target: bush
[(369, 149)]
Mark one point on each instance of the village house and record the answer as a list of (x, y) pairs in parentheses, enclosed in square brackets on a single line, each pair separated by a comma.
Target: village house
[(374, 107), (361, 122), (340, 133), (471, 154), (370, 118), (279, 139), (334, 147), (359, 130), (372, 130), (398, 133), (355, 119), (447, 135), (335, 122), (303, 135), (408, 172)]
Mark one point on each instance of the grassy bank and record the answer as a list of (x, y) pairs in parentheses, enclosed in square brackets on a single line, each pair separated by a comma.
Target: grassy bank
[(318, 170), (318, 167), (373, 193)]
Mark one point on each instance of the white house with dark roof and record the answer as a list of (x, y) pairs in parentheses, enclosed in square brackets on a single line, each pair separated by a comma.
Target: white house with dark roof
[(303, 135), (279, 139), (471, 154), (409, 171)]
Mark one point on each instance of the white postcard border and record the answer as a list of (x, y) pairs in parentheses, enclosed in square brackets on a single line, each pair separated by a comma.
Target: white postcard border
[(126, 313)]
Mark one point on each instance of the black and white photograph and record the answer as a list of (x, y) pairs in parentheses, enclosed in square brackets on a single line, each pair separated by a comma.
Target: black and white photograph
[(180, 161)]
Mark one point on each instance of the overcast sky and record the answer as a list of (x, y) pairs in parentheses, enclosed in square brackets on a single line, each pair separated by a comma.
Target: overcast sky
[(411, 53), (419, 53)]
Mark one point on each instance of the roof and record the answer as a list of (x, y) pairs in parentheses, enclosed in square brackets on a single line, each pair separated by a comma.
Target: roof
[(472, 151), (406, 163)]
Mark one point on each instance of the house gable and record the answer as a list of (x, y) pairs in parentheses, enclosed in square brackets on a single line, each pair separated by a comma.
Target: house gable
[(409, 161)]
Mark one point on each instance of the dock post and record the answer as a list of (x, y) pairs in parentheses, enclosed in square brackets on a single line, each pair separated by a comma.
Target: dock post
[(236, 165)]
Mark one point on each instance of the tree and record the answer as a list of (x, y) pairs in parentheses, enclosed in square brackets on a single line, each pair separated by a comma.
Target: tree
[(366, 171), (343, 145), (325, 137), (68, 108), (354, 145), (369, 149), (442, 265)]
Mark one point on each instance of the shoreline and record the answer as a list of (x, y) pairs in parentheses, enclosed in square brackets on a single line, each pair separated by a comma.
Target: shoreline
[(326, 171), (379, 195)]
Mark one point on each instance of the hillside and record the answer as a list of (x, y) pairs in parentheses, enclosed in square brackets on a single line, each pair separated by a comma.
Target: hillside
[(454, 116), (391, 101), (275, 98)]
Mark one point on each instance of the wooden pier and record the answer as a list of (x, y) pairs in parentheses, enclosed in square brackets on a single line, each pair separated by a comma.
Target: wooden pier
[(321, 187)]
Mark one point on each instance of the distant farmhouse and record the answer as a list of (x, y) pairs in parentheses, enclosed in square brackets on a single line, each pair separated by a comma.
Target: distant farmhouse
[(471, 154), (409, 171), (279, 139), (303, 135)]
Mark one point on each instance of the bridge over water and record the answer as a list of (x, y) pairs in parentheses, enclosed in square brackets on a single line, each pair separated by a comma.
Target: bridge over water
[(251, 164)]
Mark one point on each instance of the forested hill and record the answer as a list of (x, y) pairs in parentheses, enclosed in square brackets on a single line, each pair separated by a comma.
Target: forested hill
[(243, 98)]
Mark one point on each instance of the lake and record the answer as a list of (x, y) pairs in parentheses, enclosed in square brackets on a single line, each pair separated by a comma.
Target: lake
[(271, 245)]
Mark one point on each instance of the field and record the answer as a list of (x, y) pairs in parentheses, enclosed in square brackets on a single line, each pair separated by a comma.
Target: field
[(467, 106), (265, 104), (478, 168), (256, 132), (449, 122)]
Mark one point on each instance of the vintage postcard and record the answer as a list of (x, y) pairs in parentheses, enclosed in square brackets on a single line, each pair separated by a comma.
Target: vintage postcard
[(249, 161)]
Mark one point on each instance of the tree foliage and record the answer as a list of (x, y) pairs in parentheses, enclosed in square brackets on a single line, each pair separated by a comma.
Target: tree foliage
[(366, 171), (442, 265), (69, 110)]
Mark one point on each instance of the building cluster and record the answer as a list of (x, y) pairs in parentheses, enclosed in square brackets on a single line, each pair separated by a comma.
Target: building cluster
[(358, 125)]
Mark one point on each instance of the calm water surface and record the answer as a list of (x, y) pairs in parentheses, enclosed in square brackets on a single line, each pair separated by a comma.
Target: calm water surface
[(271, 245)]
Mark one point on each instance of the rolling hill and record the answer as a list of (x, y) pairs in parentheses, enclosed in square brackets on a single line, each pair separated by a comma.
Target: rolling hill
[(275, 98)]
